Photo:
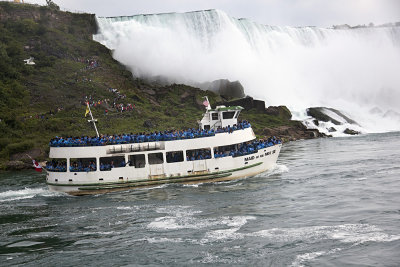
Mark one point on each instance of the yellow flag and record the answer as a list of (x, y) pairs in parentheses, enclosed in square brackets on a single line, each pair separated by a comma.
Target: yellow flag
[(87, 110)]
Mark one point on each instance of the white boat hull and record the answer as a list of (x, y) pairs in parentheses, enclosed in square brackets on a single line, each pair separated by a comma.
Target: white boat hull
[(187, 172)]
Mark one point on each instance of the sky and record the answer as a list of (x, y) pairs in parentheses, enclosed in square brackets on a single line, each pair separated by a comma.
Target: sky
[(322, 13)]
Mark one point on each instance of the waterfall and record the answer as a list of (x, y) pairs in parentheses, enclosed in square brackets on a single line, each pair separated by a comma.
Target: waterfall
[(355, 70)]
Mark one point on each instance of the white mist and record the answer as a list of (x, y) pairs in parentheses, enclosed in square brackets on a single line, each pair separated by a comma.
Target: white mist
[(353, 70)]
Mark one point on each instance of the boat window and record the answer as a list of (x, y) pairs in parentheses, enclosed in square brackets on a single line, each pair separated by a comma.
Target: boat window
[(137, 161), (214, 116), (228, 114), (107, 163), (207, 127), (224, 151), (56, 165), (237, 114), (83, 165), (155, 158), (241, 149), (198, 154), (174, 156)]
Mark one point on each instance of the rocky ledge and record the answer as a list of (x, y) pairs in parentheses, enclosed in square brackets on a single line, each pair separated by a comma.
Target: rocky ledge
[(297, 131)]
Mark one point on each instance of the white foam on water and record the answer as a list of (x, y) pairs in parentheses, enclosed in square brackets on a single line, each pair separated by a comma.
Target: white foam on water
[(177, 222), (360, 179), (222, 234), (25, 243), (127, 208), (164, 239), (306, 257), (361, 233), (181, 217), (300, 259), (230, 182), (277, 169), (346, 233), (191, 185), (210, 258), (236, 222), (177, 210), (27, 193), (233, 183), (150, 187)]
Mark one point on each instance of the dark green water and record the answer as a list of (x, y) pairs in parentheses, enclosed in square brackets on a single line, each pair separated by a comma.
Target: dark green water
[(329, 202)]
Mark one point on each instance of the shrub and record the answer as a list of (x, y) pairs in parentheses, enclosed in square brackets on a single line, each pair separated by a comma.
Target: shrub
[(19, 147), (26, 26), (4, 142)]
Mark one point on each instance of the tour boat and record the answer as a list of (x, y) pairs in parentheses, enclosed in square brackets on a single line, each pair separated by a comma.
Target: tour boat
[(221, 149)]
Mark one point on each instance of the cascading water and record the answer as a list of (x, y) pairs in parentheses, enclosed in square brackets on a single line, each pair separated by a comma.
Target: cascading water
[(353, 70)]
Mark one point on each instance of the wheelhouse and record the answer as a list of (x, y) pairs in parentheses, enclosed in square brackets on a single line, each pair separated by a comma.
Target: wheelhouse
[(220, 117)]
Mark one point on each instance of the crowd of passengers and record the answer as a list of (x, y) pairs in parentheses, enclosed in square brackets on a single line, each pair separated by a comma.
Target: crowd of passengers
[(79, 166), (247, 148), (198, 155), (143, 137), (109, 166), (175, 157), (56, 166)]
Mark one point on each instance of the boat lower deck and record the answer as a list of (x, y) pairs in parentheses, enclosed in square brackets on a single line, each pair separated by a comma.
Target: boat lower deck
[(89, 189), (209, 170)]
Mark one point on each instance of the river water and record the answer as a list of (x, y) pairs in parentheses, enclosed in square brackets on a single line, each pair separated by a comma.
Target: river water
[(329, 202)]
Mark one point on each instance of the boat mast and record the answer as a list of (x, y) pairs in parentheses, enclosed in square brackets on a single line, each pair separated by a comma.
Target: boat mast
[(92, 120)]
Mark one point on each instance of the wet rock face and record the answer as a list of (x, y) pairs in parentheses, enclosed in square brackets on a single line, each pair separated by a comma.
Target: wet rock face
[(319, 115), (323, 114), (224, 88), (228, 89), (247, 103), (280, 111), (351, 132), (294, 132)]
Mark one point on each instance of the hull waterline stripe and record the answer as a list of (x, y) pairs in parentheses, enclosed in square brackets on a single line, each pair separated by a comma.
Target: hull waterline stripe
[(156, 182), (166, 179)]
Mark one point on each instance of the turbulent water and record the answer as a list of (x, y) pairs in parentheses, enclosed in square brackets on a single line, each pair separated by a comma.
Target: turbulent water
[(329, 202), (353, 70)]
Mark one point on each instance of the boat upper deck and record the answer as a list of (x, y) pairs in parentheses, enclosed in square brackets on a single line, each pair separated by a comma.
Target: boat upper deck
[(105, 140)]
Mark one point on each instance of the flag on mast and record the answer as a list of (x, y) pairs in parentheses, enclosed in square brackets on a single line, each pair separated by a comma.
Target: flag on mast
[(87, 109), (206, 103), (37, 166)]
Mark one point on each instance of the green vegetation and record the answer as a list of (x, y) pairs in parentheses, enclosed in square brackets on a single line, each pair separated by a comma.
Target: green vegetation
[(259, 121), (38, 102)]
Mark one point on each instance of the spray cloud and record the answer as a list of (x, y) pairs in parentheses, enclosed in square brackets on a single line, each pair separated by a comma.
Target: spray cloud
[(353, 70)]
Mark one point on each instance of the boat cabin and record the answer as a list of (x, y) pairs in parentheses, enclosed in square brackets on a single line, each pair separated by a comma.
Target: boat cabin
[(221, 116)]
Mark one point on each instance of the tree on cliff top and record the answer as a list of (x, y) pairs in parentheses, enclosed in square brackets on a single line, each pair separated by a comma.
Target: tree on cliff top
[(52, 5)]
